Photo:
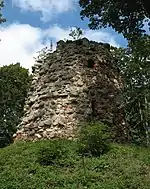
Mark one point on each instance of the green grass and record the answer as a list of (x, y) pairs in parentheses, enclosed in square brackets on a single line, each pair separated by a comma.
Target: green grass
[(123, 167)]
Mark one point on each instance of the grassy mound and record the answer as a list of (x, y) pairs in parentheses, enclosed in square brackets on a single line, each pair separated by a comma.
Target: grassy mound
[(123, 167)]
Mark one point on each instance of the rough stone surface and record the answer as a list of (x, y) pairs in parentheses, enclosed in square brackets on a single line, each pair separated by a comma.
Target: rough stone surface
[(77, 82)]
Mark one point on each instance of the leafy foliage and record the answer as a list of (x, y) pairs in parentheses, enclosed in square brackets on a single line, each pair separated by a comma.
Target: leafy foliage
[(134, 65), (126, 17), (94, 139), (1, 6), (14, 83)]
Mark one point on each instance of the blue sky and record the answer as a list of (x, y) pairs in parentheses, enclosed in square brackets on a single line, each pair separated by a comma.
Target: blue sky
[(31, 24)]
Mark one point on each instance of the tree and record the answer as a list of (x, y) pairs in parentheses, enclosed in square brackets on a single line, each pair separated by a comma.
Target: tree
[(1, 6), (125, 16), (14, 83), (134, 64)]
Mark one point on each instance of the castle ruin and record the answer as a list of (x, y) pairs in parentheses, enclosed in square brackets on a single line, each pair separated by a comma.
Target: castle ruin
[(76, 83)]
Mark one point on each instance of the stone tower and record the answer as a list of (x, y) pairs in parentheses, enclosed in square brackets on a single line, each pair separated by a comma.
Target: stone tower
[(76, 83)]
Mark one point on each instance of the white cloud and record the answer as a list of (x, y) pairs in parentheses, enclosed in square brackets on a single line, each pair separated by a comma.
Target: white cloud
[(20, 42), (48, 8), (101, 36), (59, 33)]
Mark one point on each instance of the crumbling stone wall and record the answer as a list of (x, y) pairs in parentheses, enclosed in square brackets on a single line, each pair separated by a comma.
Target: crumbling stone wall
[(76, 83)]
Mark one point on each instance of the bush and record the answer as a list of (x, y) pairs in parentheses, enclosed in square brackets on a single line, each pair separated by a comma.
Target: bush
[(94, 139), (51, 154)]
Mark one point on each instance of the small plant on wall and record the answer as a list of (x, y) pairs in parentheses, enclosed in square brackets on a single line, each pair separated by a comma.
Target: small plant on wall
[(76, 33)]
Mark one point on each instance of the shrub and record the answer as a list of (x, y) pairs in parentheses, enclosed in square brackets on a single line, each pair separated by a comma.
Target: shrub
[(94, 139), (51, 154)]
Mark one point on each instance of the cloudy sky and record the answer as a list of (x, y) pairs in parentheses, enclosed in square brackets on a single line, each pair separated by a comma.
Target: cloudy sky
[(31, 24)]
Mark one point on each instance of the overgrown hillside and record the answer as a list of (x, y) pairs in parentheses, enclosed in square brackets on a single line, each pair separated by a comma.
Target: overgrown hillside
[(39, 165)]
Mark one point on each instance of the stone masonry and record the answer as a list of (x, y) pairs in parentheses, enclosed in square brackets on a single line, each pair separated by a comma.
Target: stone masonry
[(76, 83)]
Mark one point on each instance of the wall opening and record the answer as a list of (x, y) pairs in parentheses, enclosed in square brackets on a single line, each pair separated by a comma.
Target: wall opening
[(90, 63)]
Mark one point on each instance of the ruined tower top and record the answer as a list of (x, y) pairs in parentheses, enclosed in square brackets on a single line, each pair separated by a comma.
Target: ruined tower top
[(76, 83)]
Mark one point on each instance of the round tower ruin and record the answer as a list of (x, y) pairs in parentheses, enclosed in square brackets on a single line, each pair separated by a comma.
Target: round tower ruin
[(76, 83)]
